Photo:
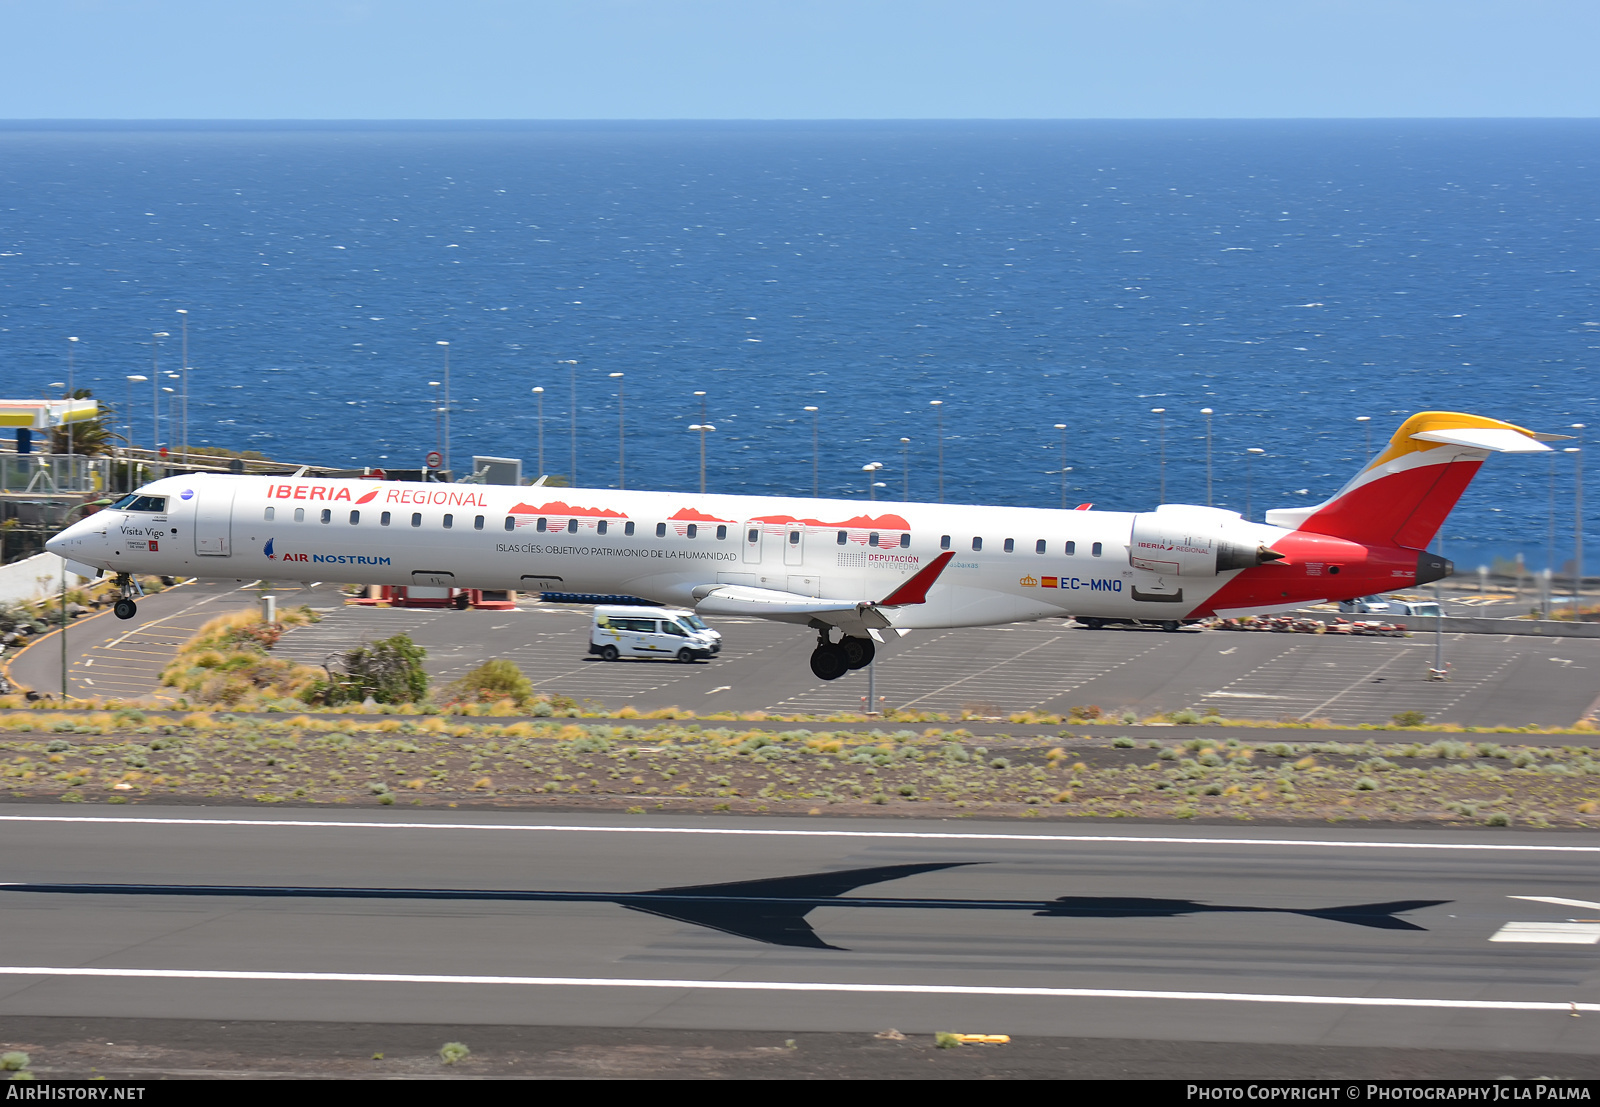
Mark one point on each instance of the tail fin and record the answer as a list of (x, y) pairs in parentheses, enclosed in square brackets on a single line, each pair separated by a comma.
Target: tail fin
[(1403, 495)]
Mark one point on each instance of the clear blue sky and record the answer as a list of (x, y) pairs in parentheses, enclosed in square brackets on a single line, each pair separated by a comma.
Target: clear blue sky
[(796, 59)]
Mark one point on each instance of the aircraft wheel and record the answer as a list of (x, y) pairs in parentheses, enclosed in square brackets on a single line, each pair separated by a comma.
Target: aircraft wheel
[(686, 655), (829, 662), (463, 602), (1170, 624), (125, 609), (1093, 624), (858, 652), (608, 653)]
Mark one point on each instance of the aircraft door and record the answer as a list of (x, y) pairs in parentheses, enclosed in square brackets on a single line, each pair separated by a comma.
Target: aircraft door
[(213, 518), (752, 543), (794, 545)]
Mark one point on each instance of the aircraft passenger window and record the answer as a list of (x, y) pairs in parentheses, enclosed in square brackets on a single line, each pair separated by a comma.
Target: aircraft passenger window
[(843, 536), (694, 530), (542, 526), (905, 541), (355, 517), (872, 539), (271, 511), (572, 526), (977, 544), (299, 514), (794, 538), (1038, 547), (627, 530), (600, 527), (1095, 549), (416, 518), (722, 534), (477, 522), (944, 541), (327, 515), (383, 520), (1011, 545), (511, 523), (1072, 548), (661, 530), (753, 536), (449, 521)]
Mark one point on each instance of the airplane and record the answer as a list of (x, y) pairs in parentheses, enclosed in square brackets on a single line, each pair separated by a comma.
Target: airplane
[(861, 571)]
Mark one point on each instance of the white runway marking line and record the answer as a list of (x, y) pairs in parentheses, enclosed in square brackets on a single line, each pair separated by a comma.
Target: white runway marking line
[(1549, 933), (797, 986), (915, 835)]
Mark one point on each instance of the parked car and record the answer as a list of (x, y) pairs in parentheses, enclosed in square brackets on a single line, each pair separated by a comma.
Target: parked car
[(669, 632)]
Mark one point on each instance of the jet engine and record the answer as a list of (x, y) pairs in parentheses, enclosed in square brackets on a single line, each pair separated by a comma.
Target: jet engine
[(1181, 540)]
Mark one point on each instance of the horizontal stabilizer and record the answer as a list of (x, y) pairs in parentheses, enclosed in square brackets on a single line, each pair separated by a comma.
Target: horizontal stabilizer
[(1380, 916), (1494, 439)]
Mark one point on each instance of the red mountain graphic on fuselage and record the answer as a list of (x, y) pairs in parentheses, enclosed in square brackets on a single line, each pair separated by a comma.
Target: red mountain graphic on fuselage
[(860, 522), (690, 515), (567, 510)]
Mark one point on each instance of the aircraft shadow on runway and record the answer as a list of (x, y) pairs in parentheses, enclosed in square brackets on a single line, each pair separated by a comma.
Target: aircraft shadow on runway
[(773, 910)]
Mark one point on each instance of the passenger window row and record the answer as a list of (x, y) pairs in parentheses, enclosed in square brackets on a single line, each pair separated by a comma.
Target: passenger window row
[(1010, 545)]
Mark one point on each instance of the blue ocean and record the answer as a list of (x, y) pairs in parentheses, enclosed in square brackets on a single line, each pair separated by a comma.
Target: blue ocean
[(1291, 276)]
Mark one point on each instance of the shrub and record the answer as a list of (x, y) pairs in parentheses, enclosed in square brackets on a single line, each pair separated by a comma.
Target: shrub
[(389, 671), (451, 1052), (494, 680), (1408, 718)]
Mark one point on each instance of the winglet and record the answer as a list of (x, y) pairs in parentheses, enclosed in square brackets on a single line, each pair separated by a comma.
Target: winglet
[(915, 590)]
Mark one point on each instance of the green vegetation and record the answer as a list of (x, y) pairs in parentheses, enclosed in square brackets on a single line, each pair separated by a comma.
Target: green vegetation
[(389, 671)]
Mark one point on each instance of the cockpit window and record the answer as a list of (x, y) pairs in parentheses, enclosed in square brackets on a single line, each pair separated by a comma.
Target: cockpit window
[(141, 503), (122, 504)]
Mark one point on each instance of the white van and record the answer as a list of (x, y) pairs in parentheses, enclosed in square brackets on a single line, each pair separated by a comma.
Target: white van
[(672, 632)]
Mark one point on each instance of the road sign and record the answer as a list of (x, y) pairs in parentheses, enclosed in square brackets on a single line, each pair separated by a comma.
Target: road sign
[(434, 459)]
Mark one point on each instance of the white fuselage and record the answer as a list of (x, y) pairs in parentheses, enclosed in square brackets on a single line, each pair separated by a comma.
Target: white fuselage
[(1009, 563)]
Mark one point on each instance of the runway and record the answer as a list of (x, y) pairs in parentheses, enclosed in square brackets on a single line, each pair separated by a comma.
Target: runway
[(1316, 938)]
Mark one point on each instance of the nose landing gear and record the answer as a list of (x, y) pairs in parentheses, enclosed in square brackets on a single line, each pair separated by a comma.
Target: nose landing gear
[(831, 660), (127, 588)]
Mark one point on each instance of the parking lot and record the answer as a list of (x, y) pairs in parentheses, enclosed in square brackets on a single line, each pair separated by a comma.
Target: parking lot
[(1049, 666)]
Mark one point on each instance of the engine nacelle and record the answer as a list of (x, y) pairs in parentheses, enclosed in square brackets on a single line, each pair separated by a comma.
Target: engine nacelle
[(1181, 540)]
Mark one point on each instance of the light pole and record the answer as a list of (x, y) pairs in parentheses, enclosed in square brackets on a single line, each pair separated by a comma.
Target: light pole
[(72, 344), (702, 428), (155, 393), (622, 481), (539, 392), (573, 414), (1062, 427), (184, 407), (1249, 458), (127, 454), (1161, 496), (1577, 521), (438, 419), (815, 454), (938, 410), (1206, 411), (872, 472), (905, 470), (1366, 423), (447, 467)]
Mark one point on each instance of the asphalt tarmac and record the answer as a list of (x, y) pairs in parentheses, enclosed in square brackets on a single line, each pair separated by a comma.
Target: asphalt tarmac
[(1052, 666), (1248, 938)]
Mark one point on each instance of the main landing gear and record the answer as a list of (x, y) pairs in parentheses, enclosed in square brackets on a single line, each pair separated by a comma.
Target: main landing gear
[(127, 588), (831, 660)]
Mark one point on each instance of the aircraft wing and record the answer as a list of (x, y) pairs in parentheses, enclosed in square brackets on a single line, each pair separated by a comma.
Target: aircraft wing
[(857, 618)]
